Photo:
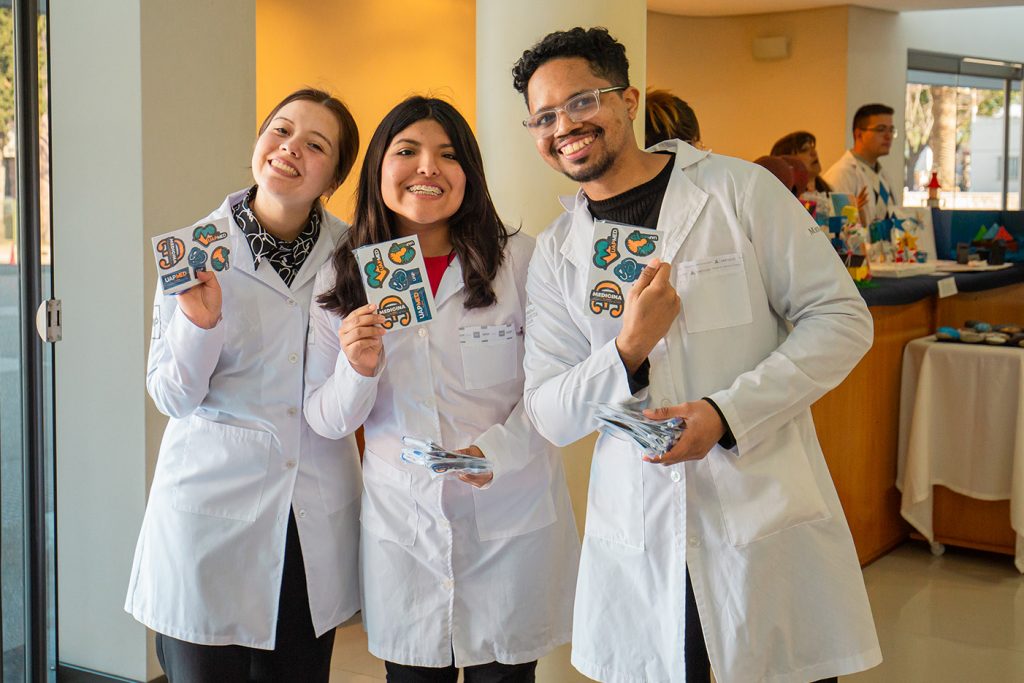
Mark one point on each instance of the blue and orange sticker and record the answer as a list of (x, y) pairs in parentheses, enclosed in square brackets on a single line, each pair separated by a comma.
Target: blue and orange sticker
[(183, 253), (394, 275), (619, 253)]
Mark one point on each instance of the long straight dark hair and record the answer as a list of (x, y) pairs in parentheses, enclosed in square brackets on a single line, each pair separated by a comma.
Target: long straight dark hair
[(476, 233)]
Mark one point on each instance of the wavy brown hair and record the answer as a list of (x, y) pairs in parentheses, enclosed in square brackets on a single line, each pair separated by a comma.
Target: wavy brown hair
[(477, 234)]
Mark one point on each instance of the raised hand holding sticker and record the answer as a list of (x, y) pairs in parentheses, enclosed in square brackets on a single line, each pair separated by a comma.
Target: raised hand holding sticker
[(401, 295), (170, 249), (609, 287)]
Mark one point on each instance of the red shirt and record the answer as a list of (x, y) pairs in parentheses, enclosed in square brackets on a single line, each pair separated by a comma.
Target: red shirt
[(436, 265)]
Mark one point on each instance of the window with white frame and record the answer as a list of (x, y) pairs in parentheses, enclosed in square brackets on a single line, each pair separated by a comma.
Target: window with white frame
[(963, 123)]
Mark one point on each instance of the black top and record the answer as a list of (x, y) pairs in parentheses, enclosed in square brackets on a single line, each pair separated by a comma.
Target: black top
[(286, 257), (638, 206)]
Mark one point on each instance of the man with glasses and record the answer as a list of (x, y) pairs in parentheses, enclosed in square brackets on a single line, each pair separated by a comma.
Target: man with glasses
[(858, 172), (732, 546)]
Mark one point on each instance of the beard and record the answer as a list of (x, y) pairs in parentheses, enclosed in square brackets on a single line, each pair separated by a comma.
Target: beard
[(593, 166)]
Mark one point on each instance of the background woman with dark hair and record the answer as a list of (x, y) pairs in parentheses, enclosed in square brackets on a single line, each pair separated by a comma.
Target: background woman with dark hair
[(669, 117), (476, 572), (803, 146)]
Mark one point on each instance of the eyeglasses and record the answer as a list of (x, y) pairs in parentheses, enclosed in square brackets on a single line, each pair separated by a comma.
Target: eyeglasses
[(882, 130), (578, 108)]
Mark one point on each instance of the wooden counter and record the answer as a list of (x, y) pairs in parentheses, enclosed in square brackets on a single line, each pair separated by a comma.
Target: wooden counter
[(858, 422)]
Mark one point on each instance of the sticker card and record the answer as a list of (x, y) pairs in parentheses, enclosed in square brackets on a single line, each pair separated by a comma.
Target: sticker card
[(180, 254), (394, 276), (618, 254)]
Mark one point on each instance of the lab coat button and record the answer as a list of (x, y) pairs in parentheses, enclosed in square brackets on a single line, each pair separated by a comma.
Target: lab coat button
[(448, 584), (291, 302), (293, 412), (665, 403), (302, 513), (694, 541), (675, 476), (293, 358), (289, 463), (422, 332)]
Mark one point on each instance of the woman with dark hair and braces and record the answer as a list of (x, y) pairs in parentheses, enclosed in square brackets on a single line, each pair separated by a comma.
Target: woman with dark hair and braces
[(475, 571)]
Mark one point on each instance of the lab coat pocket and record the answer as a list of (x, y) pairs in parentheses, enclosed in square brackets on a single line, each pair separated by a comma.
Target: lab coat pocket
[(516, 503), (489, 355), (222, 471), (713, 293), (615, 507), (768, 489), (388, 509)]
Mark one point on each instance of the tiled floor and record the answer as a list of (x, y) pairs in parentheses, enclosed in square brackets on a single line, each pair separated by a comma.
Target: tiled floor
[(958, 618)]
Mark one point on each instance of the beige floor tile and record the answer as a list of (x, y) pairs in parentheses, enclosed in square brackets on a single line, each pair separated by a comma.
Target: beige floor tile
[(958, 618)]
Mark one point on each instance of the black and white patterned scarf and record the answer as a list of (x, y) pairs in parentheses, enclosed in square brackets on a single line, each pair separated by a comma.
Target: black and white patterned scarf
[(286, 257)]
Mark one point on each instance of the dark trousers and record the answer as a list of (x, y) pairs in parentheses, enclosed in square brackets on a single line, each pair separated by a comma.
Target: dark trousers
[(298, 655), (495, 672), (695, 651)]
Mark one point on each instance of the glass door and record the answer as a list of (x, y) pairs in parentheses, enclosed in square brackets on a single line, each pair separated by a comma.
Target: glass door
[(27, 593)]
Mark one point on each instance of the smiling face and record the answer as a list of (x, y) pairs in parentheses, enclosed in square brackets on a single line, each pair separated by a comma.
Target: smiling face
[(295, 158), (587, 150), (422, 182)]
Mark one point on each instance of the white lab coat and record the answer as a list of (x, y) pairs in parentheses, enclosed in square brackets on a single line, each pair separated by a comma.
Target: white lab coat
[(850, 175), (488, 574), (776, 579), (235, 456)]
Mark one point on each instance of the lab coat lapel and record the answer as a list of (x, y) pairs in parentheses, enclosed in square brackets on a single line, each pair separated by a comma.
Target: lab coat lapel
[(577, 248), (451, 283), (683, 201)]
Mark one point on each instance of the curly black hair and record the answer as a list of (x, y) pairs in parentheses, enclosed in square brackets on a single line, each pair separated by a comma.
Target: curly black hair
[(607, 56)]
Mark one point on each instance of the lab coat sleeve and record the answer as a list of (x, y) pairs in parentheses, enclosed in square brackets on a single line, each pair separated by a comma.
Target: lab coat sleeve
[(563, 373), (337, 398), (807, 285), (182, 358)]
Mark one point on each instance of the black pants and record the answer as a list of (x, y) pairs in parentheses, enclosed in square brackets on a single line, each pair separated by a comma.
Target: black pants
[(495, 672), (298, 655), (695, 651)]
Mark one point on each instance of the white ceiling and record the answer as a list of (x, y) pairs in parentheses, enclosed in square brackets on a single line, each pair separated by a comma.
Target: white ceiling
[(698, 8)]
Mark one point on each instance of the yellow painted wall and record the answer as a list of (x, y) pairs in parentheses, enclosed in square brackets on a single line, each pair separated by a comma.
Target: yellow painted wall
[(745, 105), (369, 54)]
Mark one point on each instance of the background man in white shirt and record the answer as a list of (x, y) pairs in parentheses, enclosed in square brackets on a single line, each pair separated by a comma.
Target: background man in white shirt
[(858, 172)]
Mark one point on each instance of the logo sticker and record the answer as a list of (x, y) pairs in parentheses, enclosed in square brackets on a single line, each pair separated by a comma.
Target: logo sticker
[(207, 234), (219, 258), (641, 244), (197, 259), (401, 280), (402, 253), (606, 250), (420, 305), (176, 278), (376, 271), (394, 311), (607, 296), (629, 270), (171, 250)]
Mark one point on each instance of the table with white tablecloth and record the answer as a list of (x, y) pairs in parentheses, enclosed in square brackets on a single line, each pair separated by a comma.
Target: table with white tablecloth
[(961, 427)]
